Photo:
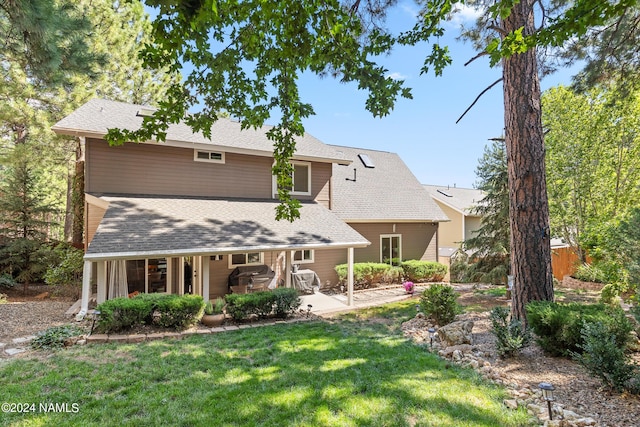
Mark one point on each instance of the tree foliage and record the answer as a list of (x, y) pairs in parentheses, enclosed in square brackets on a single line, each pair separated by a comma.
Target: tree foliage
[(490, 250)]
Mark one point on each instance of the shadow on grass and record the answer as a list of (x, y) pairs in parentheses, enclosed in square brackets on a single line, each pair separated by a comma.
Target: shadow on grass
[(311, 374)]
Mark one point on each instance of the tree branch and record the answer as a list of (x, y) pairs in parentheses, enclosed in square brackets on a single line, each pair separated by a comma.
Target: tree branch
[(481, 54), (498, 29), (477, 98)]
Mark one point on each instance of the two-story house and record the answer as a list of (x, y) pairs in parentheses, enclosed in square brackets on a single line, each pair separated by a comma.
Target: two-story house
[(180, 215)]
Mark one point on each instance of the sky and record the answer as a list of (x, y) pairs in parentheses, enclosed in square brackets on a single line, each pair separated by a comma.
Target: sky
[(422, 131)]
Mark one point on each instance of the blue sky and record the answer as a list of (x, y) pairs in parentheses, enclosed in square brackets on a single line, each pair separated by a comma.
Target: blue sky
[(423, 131)]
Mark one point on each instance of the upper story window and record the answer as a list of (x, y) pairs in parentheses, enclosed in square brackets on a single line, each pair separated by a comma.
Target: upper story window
[(208, 156), (301, 178)]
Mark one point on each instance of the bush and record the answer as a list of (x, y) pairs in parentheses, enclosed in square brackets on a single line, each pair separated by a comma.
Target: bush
[(286, 302), (611, 293), (123, 313), (55, 337), (368, 273), (590, 273), (7, 281), (3, 299), (166, 311), (239, 306), (68, 269), (423, 271), (604, 358), (511, 336), (439, 301), (558, 326), (174, 311)]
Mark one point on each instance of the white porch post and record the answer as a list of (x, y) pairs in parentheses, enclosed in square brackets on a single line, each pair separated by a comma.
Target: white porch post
[(180, 276), (170, 275), (350, 276), (102, 281), (287, 268), (86, 290), (204, 272)]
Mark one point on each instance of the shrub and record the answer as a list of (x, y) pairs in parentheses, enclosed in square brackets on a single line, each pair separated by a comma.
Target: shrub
[(423, 271), (123, 313), (239, 306), (611, 293), (3, 298), (55, 337), (367, 273), (167, 311), (604, 358), (175, 312), (558, 326), (511, 336), (439, 301), (7, 281), (68, 269), (590, 273), (286, 302)]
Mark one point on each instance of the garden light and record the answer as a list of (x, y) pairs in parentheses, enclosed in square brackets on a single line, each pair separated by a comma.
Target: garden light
[(547, 394)]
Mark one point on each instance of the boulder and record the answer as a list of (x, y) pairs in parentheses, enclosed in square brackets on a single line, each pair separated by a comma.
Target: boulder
[(456, 333)]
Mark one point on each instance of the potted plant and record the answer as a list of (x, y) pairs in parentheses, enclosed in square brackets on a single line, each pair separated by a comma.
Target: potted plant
[(213, 313)]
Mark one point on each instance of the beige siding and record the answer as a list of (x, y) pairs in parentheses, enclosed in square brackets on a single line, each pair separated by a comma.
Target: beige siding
[(472, 224), (157, 169), (320, 183), (93, 216), (418, 240), (451, 232)]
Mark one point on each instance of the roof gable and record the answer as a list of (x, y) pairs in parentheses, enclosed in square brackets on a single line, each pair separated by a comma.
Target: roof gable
[(388, 191), (461, 199)]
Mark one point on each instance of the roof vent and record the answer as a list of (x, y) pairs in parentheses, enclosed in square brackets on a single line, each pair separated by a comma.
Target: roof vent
[(366, 161)]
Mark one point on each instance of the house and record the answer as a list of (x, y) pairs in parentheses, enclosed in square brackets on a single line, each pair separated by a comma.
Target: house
[(457, 203), (179, 216)]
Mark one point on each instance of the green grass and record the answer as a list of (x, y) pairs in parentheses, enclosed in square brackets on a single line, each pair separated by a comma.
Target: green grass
[(356, 370)]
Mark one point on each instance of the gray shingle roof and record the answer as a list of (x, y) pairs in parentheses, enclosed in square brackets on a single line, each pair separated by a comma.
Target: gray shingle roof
[(387, 192), (163, 226), (96, 116), (461, 199)]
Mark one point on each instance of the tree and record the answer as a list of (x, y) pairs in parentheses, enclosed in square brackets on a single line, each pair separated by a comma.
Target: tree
[(593, 159), (23, 218), (490, 244), (247, 56)]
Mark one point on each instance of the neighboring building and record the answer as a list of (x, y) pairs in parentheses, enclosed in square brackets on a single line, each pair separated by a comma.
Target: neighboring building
[(457, 204), (179, 216)]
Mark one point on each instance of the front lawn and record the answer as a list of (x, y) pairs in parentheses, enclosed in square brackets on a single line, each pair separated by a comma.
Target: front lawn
[(351, 371)]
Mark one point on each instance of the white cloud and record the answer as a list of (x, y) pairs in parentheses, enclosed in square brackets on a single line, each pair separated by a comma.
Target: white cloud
[(464, 14), (396, 76), (410, 10)]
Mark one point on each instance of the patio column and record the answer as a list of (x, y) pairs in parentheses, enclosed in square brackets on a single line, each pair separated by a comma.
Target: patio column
[(349, 276), (204, 272), (102, 281), (287, 268), (86, 290)]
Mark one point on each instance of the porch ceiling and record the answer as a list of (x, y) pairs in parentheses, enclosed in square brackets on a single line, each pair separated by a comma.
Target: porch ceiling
[(154, 226)]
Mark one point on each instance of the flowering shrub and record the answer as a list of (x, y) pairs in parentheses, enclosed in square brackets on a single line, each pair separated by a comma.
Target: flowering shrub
[(409, 287)]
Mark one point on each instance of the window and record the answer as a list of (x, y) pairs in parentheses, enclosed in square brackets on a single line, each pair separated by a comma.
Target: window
[(303, 256), (248, 258), (208, 156), (301, 178), (390, 249)]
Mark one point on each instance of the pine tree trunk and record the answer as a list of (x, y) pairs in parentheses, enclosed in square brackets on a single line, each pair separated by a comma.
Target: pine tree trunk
[(524, 138)]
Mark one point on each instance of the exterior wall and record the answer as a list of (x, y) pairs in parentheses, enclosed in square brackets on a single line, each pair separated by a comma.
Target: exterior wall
[(93, 215), (418, 240), (161, 170), (472, 224), (450, 233)]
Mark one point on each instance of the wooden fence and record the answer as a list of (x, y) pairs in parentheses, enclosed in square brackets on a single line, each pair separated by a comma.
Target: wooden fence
[(564, 261)]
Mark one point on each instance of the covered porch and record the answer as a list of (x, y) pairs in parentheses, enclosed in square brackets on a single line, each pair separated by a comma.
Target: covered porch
[(185, 245)]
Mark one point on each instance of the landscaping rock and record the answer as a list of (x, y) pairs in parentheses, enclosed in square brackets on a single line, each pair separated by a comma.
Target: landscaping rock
[(456, 333)]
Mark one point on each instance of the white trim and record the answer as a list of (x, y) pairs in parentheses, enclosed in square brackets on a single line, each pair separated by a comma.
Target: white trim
[(246, 258), (349, 276), (196, 151), (214, 251), (390, 237), (101, 282), (96, 201)]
